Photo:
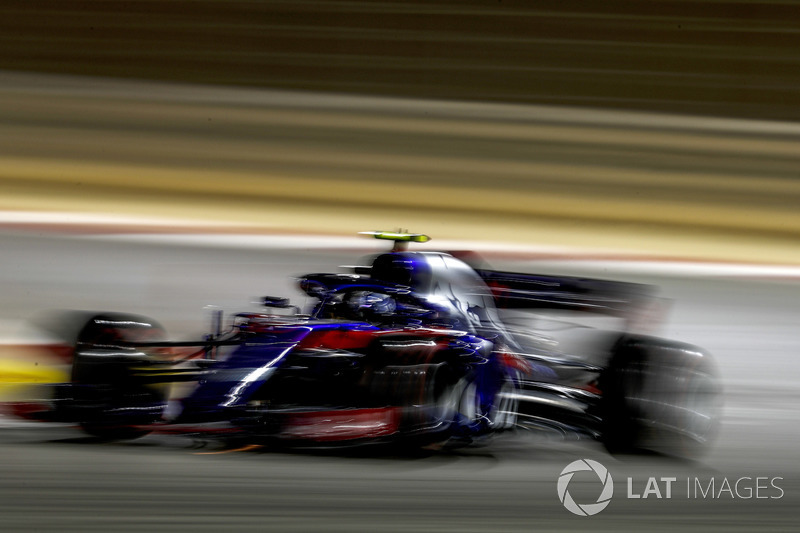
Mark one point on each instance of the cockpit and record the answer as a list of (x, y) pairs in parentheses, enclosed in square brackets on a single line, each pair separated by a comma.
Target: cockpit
[(425, 288)]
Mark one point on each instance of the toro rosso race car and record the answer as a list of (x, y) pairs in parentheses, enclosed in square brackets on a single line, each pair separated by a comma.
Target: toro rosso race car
[(418, 348)]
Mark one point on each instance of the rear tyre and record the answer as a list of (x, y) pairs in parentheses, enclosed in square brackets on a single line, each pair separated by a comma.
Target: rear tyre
[(661, 397)]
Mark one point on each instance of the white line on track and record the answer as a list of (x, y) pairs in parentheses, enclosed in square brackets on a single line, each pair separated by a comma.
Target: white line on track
[(198, 233)]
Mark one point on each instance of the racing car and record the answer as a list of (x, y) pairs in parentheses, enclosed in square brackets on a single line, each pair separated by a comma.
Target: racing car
[(417, 348)]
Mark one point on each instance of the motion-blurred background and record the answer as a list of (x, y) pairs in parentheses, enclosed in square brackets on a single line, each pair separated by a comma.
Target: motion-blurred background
[(474, 147), (654, 129), (708, 57)]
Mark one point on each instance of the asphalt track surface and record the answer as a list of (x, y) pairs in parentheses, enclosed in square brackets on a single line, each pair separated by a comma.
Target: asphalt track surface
[(54, 479)]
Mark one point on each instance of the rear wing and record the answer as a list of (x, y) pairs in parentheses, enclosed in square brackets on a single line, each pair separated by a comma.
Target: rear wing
[(513, 290)]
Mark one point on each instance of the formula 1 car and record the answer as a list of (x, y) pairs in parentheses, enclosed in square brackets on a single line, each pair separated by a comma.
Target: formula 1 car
[(418, 348)]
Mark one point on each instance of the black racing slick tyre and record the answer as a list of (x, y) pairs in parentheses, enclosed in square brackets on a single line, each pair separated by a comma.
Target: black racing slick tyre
[(109, 400), (660, 396)]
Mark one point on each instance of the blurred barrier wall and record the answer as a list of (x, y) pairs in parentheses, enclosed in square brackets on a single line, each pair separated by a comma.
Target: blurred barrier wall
[(712, 57), (654, 183)]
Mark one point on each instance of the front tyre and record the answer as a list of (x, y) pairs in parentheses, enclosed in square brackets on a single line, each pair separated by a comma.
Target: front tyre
[(110, 401)]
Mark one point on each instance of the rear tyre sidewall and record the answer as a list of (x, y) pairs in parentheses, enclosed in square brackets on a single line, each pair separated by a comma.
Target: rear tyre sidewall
[(660, 397)]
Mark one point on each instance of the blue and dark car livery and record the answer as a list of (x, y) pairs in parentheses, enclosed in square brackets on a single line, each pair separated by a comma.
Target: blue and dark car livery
[(416, 348)]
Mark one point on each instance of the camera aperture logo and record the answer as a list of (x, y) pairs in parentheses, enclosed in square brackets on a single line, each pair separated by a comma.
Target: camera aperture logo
[(587, 509)]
